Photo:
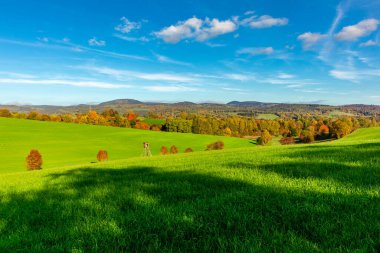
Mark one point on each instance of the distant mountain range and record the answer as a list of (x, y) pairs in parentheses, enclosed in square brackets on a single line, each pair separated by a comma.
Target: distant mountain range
[(123, 105)]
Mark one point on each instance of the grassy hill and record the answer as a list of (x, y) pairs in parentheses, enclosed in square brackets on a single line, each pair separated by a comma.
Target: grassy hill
[(305, 198), (64, 144)]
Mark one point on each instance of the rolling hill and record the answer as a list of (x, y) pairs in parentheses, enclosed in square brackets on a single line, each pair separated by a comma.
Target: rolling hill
[(63, 144), (302, 198)]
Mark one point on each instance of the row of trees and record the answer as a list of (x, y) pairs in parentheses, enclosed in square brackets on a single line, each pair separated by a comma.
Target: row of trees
[(307, 129)]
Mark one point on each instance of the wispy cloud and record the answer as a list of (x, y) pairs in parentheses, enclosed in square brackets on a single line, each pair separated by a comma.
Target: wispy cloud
[(169, 88), (252, 51), (165, 59), (127, 26), (16, 75), (215, 44), (264, 21), (66, 45), (239, 77), (354, 75), (341, 9), (127, 75), (132, 39), (232, 89), (88, 84), (96, 42), (368, 43), (285, 76)]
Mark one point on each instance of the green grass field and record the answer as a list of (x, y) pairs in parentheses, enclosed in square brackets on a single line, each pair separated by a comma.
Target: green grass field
[(268, 116), (301, 198), (63, 144)]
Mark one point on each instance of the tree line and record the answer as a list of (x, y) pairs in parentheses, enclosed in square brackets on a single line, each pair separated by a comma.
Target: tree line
[(305, 129)]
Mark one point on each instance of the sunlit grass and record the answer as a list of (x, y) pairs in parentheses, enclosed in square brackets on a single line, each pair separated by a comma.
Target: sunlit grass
[(305, 198), (63, 144)]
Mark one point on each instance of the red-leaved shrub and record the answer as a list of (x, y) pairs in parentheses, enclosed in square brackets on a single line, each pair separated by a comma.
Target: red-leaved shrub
[(164, 150), (173, 150), (215, 146), (34, 160), (102, 156), (287, 140), (188, 150)]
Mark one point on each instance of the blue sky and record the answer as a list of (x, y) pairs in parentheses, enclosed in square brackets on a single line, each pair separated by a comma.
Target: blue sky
[(70, 52)]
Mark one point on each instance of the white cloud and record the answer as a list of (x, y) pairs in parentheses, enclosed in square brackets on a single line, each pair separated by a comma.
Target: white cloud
[(215, 44), (68, 46), (368, 43), (16, 75), (132, 39), (285, 76), (345, 75), (264, 21), (354, 75), (310, 39), (328, 46), (195, 28), (93, 84), (361, 29), (256, 51), (43, 39), (127, 75), (289, 82), (95, 42), (126, 26), (165, 59), (171, 88), (239, 77), (231, 89)]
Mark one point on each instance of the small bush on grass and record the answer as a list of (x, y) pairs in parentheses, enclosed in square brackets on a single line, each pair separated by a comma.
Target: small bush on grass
[(34, 160), (287, 140), (307, 136), (218, 145), (164, 150), (173, 150), (265, 138), (102, 156), (188, 150)]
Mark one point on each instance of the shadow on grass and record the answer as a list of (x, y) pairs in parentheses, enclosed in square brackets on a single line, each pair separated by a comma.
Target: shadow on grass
[(146, 209), (354, 165)]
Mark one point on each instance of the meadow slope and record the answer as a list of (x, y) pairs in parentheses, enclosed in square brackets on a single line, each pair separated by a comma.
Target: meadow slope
[(303, 198), (63, 144)]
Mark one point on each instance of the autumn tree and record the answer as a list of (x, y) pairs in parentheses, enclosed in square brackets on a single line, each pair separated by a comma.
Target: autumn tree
[(340, 128), (92, 117), (102, 156), (164, 150), (142, 125), (307, 136), (265, 138), (34, 160), (324, 131), (173, 150), (5, 113), (287, 140), (215, 145)]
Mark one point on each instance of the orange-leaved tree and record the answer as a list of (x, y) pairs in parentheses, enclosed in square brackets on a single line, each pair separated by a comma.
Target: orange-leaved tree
[(102, 155), (34, 160), (173, 150), (164, 150), (215, 145)]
